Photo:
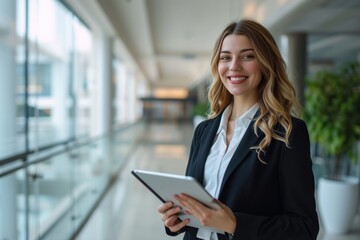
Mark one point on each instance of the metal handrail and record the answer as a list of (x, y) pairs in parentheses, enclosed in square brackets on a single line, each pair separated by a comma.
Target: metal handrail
[(69, 145), (23, 155)]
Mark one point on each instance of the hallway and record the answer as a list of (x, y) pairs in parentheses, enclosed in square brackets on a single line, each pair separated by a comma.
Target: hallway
[(128, 211)]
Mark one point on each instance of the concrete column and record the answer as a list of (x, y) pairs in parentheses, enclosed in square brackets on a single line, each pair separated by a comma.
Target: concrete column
[(8, 184), (131, 96), (120, 75), (112, 97), (293, 47), (103, 95)]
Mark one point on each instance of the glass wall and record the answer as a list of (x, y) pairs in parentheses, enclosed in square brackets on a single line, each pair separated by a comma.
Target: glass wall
[(82, 78), (127, 107), (45, 74), (11, 65), (52, 169), (51, 199)]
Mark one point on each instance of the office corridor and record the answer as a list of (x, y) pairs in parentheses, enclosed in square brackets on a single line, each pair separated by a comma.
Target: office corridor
[(128, 211)]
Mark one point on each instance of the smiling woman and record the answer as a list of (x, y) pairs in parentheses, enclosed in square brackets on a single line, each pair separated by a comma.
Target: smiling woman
[(250, 149)]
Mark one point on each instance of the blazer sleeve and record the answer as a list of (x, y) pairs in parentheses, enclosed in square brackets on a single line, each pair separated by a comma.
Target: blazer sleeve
[(298, 218)]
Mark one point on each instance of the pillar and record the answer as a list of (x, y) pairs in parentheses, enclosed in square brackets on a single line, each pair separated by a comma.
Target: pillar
[(102, 103), (293, 47), (103, 95)]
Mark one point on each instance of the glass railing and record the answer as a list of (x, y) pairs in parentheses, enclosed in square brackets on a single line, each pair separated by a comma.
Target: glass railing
[(50, 194)]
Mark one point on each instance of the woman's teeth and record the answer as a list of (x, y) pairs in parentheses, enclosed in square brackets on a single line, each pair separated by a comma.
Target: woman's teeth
[(237, 78)]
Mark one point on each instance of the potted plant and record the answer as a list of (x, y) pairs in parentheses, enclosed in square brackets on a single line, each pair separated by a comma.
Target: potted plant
[(200, 112), (332, 104)]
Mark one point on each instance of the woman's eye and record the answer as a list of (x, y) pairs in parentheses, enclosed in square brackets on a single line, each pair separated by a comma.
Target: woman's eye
[(248, 57), (224, 58)]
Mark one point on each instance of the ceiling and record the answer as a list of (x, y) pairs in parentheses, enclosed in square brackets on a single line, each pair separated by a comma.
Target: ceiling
[(171, 40)]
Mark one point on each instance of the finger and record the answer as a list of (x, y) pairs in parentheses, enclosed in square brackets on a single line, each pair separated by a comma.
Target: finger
[(184, 202), (178, 225), (171, 212), (193, 206), (171, 221), (164, 207), (191, 203)]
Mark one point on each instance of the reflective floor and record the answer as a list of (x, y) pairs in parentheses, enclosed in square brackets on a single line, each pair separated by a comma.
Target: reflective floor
[(128, 211)]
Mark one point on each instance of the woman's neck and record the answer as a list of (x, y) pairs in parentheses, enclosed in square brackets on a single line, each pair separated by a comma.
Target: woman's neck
[(239, 108)]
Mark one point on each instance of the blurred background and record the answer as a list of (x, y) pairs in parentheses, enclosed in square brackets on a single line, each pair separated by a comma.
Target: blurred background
[(91, 89)]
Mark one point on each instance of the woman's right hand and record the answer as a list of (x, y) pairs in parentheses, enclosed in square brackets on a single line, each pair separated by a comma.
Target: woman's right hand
[(169, 215)]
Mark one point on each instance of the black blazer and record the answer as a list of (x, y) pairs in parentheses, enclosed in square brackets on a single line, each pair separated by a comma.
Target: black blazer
[(273, 201)]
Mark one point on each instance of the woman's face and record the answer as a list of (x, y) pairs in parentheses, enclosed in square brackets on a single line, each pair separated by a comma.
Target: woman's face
[(238, 67)]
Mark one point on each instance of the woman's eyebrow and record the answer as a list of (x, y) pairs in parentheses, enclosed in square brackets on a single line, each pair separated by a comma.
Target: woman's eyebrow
[(247, 49), (241, 51)]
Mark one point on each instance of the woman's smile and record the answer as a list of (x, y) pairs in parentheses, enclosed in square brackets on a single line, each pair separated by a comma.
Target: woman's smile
[(237, 79)]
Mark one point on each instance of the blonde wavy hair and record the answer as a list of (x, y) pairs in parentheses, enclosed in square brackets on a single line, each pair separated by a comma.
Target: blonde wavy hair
[(276, 96)]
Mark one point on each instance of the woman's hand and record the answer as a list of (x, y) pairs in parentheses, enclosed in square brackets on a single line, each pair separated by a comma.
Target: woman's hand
[(223, 218), (169, 215)]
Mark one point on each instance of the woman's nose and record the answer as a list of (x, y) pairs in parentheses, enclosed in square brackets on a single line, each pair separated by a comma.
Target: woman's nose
[(235, 64)]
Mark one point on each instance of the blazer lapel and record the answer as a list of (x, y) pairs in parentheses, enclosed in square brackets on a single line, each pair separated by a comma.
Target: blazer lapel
[(249, 140)]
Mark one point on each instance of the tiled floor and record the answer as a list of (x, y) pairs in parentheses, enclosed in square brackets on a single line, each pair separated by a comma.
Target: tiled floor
[(128, 211)]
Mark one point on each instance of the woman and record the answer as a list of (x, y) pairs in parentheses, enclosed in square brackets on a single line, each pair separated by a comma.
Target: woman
[(252, 154)]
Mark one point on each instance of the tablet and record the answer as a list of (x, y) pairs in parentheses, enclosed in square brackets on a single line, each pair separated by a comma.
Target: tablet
[(164, 186)]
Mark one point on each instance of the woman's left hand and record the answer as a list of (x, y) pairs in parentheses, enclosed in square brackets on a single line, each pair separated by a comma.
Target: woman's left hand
[(222, 218)]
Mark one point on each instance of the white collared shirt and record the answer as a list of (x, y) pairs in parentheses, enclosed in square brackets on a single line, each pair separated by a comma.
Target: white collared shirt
[(221, 154)]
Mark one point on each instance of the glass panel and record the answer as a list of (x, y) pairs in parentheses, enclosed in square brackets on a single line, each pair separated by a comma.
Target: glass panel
[(76, 181), (91, 177), (58, 71), (13, 206), (123, 144), (127, 87), (11, 76), (55, 196), (50, 41), (50, 197), (121, 102), (82, 77)]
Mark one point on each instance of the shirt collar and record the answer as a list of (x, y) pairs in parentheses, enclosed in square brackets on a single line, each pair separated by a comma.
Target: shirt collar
[(243, 120), (248, 116)]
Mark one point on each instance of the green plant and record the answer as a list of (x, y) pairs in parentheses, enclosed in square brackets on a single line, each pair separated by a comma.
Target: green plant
[(332, 104), (201, 109)]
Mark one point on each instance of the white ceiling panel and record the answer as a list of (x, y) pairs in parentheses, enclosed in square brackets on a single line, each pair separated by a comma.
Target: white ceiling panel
[(172, 40)]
